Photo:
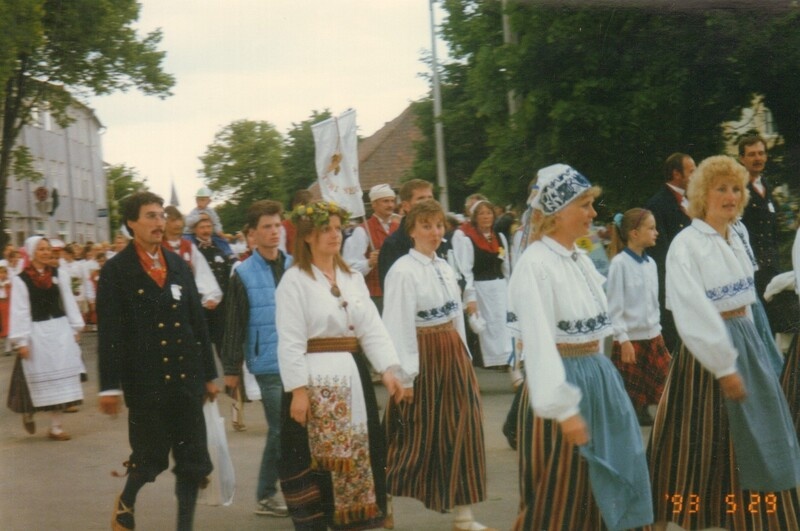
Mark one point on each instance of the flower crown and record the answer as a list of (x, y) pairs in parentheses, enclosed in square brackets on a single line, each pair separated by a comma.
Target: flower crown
[(319, 213)]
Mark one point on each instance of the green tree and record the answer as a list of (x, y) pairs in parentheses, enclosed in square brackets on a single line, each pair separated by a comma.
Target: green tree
[(244, 164), (298, 161), (613, 90), (121, 181), (58, 51)]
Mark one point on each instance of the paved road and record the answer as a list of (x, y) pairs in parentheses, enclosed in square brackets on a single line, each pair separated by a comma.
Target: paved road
[(68, 485)]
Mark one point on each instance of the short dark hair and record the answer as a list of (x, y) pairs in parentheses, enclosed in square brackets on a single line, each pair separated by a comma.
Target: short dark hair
[(134, 203), (172, 212), (265, 207), (409, 187), (426, 210), (674, 163), (749, 140)]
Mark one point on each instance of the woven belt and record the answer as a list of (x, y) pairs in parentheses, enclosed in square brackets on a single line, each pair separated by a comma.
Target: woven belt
[(332, 344), (732, 314), (572, 350), (436, 328)]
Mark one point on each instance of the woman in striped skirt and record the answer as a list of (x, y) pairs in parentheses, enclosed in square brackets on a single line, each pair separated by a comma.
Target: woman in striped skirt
[(435, 436), (582, 459), (723, 451)]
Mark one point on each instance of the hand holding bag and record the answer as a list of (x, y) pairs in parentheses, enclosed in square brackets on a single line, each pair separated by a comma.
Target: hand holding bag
[(222, 483)]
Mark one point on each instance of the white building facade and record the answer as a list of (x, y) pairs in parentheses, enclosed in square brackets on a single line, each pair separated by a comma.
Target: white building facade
[(71, 162)]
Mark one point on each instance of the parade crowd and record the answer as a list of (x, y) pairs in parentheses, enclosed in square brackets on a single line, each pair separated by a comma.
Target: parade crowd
[(306, 310)]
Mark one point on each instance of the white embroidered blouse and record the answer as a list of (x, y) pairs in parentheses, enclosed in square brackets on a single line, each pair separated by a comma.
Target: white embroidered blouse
[(632, 292), (306, 309), (707, 274), (556, 295), (419, 292)]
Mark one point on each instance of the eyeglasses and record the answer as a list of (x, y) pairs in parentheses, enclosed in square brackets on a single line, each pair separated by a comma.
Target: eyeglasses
[(152, 216)]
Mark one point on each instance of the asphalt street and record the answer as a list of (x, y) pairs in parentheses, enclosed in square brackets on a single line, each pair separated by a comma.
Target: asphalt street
[(68, 485)]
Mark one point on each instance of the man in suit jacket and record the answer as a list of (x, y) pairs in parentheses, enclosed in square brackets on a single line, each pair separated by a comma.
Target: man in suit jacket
[(759, 215), (399, 242), (669, 206), (153, 347)]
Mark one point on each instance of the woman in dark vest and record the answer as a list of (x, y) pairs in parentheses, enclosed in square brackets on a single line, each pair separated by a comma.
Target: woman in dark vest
[(482, 258), (45, 321)]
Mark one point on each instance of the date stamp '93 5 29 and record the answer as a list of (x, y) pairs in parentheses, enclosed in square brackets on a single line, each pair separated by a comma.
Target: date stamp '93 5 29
[(756, 503)]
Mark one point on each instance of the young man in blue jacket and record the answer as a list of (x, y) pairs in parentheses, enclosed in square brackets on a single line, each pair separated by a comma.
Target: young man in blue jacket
[(251, 336)]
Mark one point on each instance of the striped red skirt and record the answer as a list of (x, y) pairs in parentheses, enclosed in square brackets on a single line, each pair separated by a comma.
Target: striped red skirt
[(644, 380), (557, 471), (435, 444)]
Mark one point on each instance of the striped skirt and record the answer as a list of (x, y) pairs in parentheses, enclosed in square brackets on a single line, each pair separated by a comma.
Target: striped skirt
[(705, 450), (790, 381), (309, 493), (601, 485), (644, 380), (435, 444)]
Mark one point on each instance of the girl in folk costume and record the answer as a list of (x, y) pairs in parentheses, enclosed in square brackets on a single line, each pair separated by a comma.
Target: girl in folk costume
[(333, 458), (723, 451), (45, 322), (582, 460), (483, 261), (435, 436), (639, 351)]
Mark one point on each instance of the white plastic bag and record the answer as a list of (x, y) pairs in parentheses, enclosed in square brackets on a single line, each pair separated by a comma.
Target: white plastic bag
[(222, 483)]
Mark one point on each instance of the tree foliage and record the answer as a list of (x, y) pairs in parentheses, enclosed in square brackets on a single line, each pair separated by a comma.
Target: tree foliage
[(610, 90), (121, 181), (244, 164), (298, 161), (55, 51)]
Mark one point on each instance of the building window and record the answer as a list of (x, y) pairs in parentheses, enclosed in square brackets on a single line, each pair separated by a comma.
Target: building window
[(63, 230)]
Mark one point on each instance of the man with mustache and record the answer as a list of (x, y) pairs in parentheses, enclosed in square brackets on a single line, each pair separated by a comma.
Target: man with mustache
[(153, 347)]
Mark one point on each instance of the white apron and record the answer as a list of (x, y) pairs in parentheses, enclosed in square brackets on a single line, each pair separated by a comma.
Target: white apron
[(495, 340), (52, 371)]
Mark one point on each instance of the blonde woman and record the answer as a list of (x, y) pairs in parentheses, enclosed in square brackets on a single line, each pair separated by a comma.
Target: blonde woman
[(582, 460), (723, 451)]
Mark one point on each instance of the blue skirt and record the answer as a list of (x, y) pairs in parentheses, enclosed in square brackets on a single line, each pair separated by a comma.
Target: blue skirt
[(554, 475), (774, 355), (764, 439)]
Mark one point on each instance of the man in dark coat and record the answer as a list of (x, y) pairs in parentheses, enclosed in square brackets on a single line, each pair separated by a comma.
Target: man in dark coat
[(153, 347), (399, 242), (669, 207), (759, 215)]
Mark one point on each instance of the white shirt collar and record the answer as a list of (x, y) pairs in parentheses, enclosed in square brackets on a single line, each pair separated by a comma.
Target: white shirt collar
[(560, 249), (421, 258), (679, 190)]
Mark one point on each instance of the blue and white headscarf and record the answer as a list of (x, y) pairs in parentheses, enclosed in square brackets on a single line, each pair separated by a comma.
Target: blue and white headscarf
[(559, 185)]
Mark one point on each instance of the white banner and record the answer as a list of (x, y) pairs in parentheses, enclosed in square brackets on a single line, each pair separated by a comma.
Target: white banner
[(336, 158)]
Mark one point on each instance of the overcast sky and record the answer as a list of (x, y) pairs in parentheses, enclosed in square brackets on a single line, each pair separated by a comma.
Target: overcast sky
[(273, 60)]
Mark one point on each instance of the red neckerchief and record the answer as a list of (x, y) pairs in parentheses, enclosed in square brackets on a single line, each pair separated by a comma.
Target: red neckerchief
[(158, 274), (480, 240), (43, 280)]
